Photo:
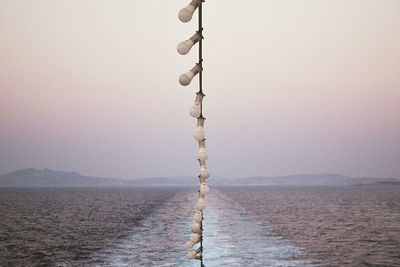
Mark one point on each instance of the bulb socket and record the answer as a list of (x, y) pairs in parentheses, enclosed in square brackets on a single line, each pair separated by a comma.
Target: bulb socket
[(200, 122)]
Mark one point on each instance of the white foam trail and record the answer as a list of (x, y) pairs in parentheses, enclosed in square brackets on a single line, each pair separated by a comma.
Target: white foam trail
[(232, 237)]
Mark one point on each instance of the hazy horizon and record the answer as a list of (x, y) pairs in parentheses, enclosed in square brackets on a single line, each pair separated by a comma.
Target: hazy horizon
[(291, 87), (194, 175)]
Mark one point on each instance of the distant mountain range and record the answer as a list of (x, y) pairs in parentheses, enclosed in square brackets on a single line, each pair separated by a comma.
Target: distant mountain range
[(38, 178), (51, 178)]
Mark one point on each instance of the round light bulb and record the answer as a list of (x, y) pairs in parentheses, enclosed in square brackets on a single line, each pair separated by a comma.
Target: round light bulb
[(186, 78), (197, 217), (199, 134), (184, 47), (204, 172), (196, 228), (203, 155), (195, 110), (186, 14), (191, 255), (189, 244), (201, 204), (204, 189), (194, 238)]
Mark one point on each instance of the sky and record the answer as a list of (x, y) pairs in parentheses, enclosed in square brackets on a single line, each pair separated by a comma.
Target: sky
[(291, 87)]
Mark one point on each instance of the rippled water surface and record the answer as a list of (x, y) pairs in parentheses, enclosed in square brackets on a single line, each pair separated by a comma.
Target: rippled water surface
[(267, 226), (52, 226), (232, 237), (337, 226)]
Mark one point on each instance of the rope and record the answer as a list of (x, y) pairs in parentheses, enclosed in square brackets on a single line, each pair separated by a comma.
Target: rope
[(200, 15), (196, 111)]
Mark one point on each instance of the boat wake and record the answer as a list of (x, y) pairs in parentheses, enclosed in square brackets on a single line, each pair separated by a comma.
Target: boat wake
[(232, 237)]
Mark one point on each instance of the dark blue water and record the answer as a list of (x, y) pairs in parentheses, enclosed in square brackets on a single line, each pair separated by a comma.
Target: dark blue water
[(345, 226)]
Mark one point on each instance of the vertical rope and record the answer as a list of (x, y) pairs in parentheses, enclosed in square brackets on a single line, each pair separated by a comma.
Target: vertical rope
[(201, 239), (200, 15), (200, 48), (200, 30)]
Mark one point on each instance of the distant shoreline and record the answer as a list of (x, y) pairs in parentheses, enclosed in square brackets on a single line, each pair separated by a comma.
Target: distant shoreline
[(52, 178)]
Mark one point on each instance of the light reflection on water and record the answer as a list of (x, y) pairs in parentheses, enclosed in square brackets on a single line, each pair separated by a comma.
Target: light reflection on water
[(232, 237)]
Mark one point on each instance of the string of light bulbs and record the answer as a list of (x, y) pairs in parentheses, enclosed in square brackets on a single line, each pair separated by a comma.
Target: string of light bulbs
[(196, 111)]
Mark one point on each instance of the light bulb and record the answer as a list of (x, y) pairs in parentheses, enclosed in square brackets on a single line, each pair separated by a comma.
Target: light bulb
[(189, 244), (204, 172), (187, 77), (203, 155), (195, 110), (199, 134), (185, 14), (196, 228), (185, 46), (204, 189), (198, 217), (201, 204), (194, 238), (191, 255)]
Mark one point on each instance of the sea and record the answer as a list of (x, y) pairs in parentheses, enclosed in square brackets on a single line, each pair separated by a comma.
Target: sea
[(243, 226)]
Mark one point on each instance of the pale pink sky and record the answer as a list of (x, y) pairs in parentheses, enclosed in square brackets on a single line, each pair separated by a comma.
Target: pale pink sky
[(292, 87)]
